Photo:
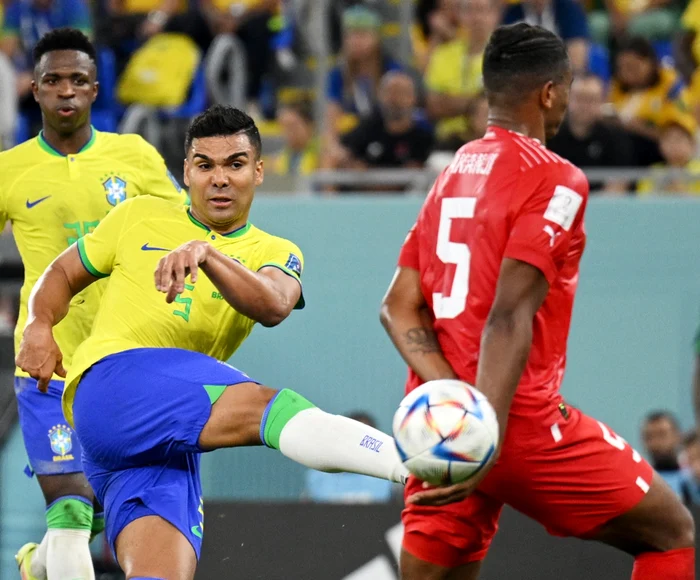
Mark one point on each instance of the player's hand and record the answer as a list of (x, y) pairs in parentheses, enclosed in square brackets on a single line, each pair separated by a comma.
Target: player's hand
[(174, 267), (450, 493), (39, 355)]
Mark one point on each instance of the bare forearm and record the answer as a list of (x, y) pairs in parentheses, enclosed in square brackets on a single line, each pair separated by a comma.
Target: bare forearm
[(412, 333), (505, 346), (249, 293), (51, 296)]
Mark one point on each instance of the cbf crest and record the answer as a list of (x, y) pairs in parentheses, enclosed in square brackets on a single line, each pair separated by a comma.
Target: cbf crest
[(115, 187), (61, 438)]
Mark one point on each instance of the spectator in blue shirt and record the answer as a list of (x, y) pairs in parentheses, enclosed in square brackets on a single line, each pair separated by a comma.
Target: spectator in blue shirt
[(566, 18), (347, 487), (662, 440), (690, 487)]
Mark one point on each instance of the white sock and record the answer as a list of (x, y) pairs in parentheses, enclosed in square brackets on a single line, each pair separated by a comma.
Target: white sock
[(68, 555), (37, 567), (334, 443)]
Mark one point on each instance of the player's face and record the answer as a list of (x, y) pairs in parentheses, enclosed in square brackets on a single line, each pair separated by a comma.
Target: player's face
[(222, 174), (64, 85), (555, 100)]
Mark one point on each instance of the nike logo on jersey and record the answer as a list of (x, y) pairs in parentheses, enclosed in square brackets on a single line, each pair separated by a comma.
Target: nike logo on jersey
[(147, 248), (31, 204), (196, 531)]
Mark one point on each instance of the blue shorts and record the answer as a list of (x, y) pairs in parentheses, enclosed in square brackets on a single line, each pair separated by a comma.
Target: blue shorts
[(52, 446), (139, 414)]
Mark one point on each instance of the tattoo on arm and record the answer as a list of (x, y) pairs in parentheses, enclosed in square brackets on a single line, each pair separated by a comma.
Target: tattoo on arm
[(422, 340)]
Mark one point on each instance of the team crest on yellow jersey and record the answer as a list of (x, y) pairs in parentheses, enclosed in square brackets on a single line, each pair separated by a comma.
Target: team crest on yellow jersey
[(61, 438), (115, 187)]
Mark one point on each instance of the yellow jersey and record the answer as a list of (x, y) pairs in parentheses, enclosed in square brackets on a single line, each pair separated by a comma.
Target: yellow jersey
[(657, 185), (127, 246), (453, 71), (649, 105), (53, 200)]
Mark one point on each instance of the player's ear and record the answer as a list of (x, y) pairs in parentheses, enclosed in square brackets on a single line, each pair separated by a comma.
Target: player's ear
[(259, 172), (35, 90), (547, 95), (185, 175), (95, 91)]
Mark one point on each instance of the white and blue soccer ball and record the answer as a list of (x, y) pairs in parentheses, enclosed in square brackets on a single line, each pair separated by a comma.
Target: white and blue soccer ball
[(445, 431)]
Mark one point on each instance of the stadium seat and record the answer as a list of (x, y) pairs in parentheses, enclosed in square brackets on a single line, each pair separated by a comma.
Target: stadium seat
[(599, 61), (196, 101)]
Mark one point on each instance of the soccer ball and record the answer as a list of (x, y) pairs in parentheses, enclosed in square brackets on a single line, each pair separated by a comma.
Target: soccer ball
[(445, 431)]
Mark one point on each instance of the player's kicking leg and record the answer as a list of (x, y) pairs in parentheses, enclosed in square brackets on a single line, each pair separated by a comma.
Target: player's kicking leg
[(145, 416), (54, 454)]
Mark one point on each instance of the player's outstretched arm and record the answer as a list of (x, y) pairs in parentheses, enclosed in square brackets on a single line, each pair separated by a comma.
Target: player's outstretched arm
[(267, 296), (407, 319), (39, 354), (505, 346)]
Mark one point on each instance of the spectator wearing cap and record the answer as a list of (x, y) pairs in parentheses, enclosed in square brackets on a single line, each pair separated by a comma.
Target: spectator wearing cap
[(587, 140), (566, 18), (453, 75), (352, 84), (678, 145)]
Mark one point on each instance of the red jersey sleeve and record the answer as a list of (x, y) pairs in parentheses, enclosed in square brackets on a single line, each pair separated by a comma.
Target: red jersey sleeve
[(545, 213), (408, 257)]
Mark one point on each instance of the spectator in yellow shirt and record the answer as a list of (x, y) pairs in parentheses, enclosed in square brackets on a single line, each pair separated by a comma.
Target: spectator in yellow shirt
[(300, 153), (453, 76), (643, 89), (678, 146)]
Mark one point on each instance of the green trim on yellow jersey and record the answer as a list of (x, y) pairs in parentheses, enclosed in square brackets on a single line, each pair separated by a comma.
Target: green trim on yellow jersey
[(44, 144), (86, 261), (234, 234)]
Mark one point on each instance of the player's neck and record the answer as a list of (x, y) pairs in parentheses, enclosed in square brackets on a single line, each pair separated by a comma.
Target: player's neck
[(510, 123), (221, 229), (67, 144)]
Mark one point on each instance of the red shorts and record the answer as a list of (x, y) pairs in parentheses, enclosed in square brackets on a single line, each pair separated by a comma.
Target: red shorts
[(571, 475)]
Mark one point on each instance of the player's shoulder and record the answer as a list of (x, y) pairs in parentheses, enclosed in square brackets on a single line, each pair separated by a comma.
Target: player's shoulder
[(127, 147), (18, 159), (144, 207), (271, 242), (524, 154)]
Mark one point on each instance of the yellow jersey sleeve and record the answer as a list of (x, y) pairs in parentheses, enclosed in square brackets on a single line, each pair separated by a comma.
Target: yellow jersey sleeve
[(3, 207), (286, 256), (98, 249), (156, 178)]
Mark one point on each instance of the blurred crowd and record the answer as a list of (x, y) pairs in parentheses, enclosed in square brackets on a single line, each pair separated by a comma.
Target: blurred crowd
[(635, 101)]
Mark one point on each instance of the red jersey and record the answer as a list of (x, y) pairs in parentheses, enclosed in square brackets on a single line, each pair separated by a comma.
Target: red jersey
[(503, 196)]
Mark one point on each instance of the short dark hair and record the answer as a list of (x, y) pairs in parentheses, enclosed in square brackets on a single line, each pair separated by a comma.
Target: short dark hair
[(662, 416), (302, 107), (220, 120), (520, 58), (637, 45), (64, 39)]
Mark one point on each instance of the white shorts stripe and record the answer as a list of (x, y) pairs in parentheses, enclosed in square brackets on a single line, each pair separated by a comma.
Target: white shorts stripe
[(556, 433), (643, 485)]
